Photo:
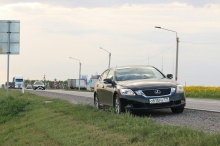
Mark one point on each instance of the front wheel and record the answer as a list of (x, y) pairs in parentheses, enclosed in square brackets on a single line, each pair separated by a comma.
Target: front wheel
[(96, 102), (118, 105), (177, 110)]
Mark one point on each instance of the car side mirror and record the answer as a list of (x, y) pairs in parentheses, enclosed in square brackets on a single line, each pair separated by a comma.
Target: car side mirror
[(107, 81), (169, 76)]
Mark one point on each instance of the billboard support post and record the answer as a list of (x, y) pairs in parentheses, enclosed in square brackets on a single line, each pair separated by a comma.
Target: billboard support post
[(9, 32)]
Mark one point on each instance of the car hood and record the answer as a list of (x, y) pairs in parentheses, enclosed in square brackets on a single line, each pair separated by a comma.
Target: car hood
[(147, 83)]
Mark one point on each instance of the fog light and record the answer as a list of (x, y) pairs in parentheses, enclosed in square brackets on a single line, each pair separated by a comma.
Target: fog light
[(173, 90), (182, 101), (129, 106)]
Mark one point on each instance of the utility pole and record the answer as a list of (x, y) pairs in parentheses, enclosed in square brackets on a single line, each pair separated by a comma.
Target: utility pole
[(79, 69), (177, 50)]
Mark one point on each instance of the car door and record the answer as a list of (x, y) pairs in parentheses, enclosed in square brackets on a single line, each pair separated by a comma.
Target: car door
[(100, 87), (108, 90)]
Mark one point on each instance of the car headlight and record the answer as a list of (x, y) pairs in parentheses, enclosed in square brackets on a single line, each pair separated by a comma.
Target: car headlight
[(179, 89), (127, 92)]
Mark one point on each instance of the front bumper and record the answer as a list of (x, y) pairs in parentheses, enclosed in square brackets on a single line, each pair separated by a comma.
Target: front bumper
[(39, 87), (142, 103)]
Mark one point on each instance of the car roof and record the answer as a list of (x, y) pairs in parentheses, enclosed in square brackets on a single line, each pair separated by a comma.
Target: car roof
[(130, 66)]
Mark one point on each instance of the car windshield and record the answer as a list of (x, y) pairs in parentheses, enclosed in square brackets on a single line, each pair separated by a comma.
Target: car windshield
[(135, 73), (38, 83)]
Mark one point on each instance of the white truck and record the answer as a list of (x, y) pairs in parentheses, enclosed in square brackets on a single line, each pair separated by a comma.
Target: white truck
[(18, 81), (93, 81), (74, 83)]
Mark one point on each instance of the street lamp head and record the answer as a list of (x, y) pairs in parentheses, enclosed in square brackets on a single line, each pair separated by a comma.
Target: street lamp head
[(104, 50), (74, 59), (157, 27)]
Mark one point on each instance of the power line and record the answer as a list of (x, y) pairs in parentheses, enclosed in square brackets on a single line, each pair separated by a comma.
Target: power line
[(162, 51), (100, 62), (200, 43)]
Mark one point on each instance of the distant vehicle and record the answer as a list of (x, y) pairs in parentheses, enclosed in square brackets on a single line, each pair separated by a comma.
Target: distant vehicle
[(93, 81), (38, 85), (29, 86), (138, 88), (11, 85), (74, 83), (19, 81)]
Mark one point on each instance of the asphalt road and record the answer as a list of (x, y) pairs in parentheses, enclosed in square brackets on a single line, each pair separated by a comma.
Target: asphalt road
[(191, 103)]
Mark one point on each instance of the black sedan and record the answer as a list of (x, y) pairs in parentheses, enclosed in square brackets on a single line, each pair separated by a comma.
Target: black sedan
[(138, 87)]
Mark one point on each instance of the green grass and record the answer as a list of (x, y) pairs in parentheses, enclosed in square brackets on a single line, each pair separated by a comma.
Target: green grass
[(81, 90), (35, 122), (202, 92)]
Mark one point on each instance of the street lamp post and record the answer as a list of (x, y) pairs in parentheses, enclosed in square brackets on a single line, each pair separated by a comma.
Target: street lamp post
[(177, 49), (79, 69), (109, 56)]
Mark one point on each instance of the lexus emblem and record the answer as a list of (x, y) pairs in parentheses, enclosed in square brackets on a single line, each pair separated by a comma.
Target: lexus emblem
[(157, 92)]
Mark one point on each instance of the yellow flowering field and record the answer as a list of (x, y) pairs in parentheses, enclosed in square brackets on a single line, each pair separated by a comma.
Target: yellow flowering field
[(202, 92)]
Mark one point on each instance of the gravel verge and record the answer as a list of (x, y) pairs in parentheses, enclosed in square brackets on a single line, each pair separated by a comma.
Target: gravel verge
[(206, 121)]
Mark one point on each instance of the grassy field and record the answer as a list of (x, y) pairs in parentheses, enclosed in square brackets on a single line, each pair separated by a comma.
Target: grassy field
[(27, 119), (202, 92)]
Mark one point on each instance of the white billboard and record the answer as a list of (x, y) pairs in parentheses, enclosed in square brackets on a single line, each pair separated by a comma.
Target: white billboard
[(9, 36)]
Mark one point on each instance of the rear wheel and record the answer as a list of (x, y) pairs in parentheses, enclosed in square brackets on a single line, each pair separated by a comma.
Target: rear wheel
[(177, 110), (119, 108), (96, 102)]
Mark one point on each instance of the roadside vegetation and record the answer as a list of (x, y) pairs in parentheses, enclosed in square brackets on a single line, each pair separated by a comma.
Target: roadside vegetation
[(28, 119), (77, 90), (202, 92)]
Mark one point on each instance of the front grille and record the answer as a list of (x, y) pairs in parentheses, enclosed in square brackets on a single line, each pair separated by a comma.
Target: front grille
[(152, 92)]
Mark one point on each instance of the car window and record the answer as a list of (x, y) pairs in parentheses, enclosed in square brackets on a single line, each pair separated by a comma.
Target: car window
[(100, 78), (110, 74), (135, 73), (157, 74), (104, 75)]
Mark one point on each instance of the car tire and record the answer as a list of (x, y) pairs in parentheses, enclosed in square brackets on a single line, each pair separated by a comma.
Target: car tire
[(96, 102), (177, 110), (119, 108)]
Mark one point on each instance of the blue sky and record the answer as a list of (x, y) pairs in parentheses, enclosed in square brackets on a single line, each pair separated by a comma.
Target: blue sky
[(53, 31)]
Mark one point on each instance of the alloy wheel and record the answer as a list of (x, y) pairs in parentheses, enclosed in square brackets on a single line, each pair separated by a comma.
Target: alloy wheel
[(96, 102), (117, 106)]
